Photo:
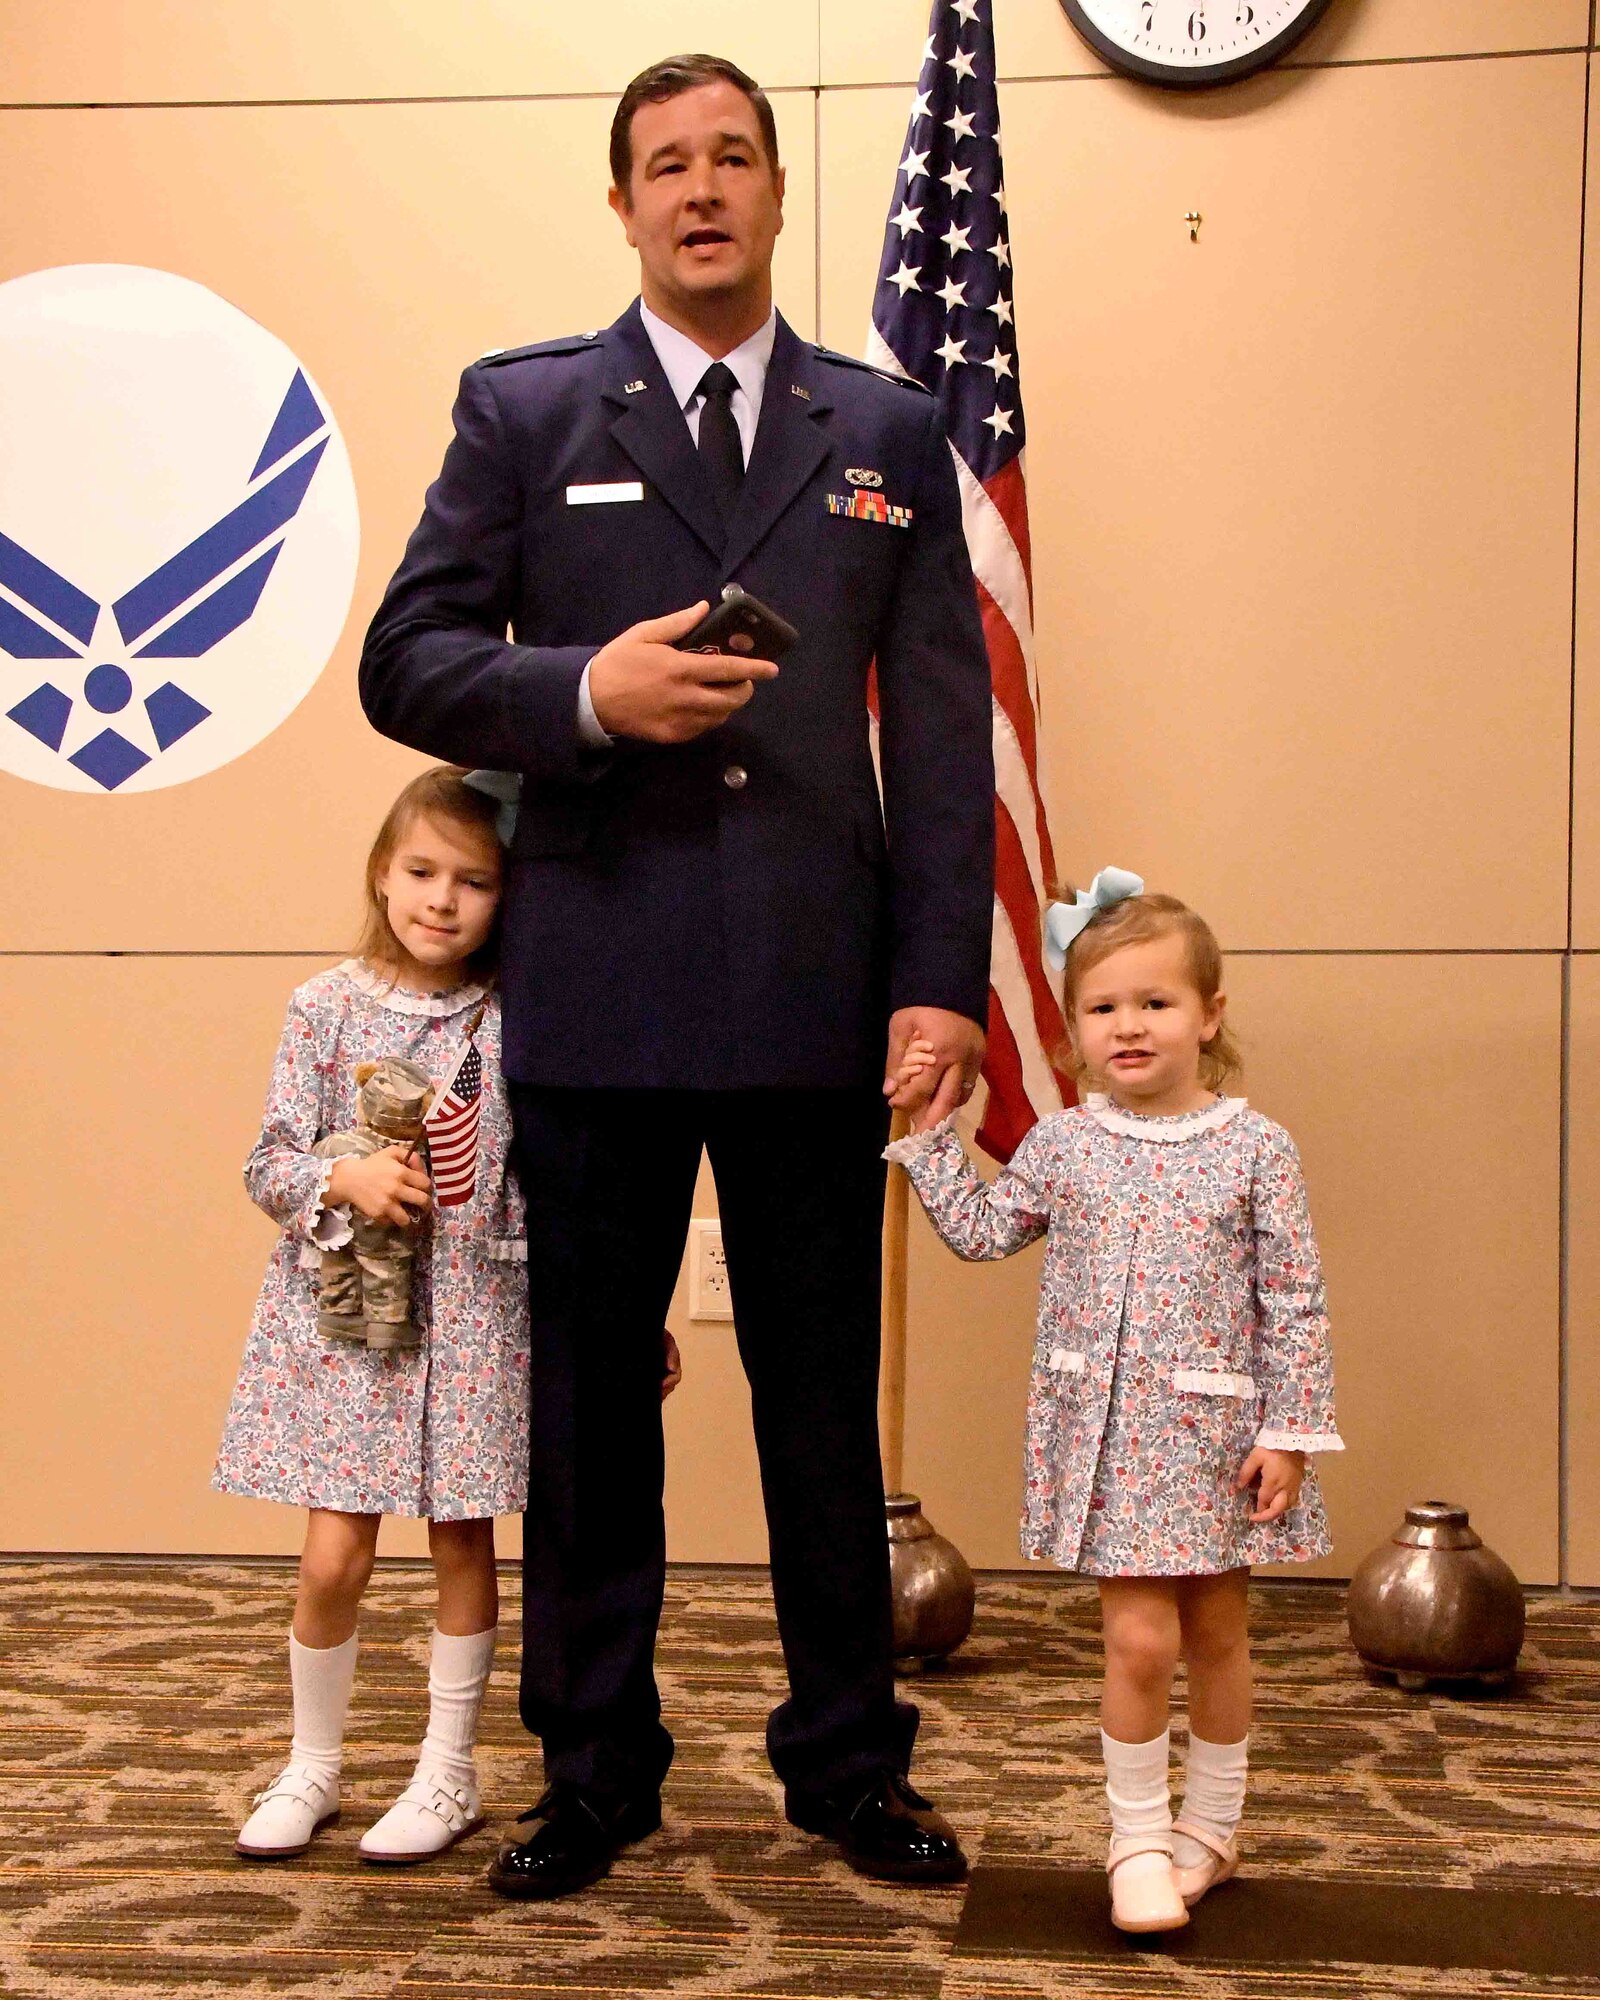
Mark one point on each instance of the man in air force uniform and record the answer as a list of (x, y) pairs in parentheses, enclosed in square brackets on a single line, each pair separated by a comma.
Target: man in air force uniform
[(713, 936)]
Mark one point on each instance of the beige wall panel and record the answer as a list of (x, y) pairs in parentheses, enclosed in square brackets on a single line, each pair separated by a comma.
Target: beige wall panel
[(1583, 1297), (388, 245), (1586, 702), (167, 51), (1424, 1096), (1373, 30), (124, 1360), (1302, 491), (883, 43), (131, 1257)]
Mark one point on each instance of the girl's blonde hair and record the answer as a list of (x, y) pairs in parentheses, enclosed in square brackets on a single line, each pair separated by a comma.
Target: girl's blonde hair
[(440, 795), (1141, 920)]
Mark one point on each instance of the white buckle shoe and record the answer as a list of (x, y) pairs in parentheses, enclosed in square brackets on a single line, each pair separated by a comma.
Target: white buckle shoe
[(1144, 1893), (428, 1818), (1219, 1865), (299, 1802)]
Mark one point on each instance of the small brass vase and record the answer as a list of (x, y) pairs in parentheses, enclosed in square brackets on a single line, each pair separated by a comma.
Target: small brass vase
[(1433, 1604), (933, 1590)]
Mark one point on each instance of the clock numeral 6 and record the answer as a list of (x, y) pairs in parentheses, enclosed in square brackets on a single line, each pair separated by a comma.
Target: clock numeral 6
[(1197, 26)]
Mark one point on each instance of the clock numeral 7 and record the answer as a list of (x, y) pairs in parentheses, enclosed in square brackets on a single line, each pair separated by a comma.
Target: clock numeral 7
[(1148, 9)]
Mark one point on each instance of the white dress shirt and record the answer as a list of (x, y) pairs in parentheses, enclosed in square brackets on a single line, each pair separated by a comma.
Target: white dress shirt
[(684, 364)]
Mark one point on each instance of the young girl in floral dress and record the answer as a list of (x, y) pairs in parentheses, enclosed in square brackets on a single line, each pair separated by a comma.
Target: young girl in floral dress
[(1181, 1373), (354, 1432)]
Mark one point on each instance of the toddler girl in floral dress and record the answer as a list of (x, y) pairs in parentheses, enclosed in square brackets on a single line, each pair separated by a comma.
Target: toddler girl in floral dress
[(353, 1432), (1181, 1374)]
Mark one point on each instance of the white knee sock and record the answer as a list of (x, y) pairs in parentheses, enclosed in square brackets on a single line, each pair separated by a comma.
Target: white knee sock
[(1136, 1789), (458, 1673), (321, 1677), (1213, 1794)]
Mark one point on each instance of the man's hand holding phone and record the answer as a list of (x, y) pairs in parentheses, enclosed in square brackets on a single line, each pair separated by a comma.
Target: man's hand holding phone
[(643, 685)]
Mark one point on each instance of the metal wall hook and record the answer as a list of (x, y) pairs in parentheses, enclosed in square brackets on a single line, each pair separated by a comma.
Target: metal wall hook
[(1194, 220)]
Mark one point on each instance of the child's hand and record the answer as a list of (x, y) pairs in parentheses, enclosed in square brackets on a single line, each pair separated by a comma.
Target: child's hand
[(385, 1186), (671, 1365), (1276, 1476), (914, 1083)]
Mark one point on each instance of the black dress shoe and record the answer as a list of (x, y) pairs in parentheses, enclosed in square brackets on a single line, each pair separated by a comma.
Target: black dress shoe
[(887, 1831), (576, 1838)]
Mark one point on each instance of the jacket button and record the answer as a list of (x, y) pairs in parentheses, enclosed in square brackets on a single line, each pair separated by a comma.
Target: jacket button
[(736, 777)]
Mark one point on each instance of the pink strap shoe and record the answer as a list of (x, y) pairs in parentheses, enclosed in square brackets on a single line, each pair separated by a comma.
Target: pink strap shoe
[(1220, 1863), (1144, 1893)]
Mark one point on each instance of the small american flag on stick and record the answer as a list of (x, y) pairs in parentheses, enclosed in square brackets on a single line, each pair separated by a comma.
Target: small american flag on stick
[(452, 1129), (943, 314)]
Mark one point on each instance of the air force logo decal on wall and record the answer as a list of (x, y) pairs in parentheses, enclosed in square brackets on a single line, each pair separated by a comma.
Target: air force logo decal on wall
[(178, 529)]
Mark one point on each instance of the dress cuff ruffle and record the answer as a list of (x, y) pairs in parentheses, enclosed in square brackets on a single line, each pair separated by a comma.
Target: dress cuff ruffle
[(327, 1228), (1271, 1440), (901, 1152)]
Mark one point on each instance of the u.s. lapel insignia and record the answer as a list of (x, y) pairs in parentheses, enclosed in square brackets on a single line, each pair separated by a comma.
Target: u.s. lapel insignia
[(863, 506), (860, 475), (631, 388), (796, 390)]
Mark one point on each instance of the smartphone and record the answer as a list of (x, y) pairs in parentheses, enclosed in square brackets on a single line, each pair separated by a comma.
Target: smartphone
[(741, 625)]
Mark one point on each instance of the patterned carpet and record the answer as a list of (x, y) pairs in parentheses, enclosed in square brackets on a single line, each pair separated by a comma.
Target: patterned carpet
[(141, 1704)]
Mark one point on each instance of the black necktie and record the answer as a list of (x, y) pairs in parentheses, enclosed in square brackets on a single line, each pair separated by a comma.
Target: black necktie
[(721, 453)]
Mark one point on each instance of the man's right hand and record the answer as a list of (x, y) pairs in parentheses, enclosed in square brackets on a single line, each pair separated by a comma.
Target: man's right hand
[(641, 685)]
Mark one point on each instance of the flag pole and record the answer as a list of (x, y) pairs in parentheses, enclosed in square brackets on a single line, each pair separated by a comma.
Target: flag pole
[(892, 1378), (931, 1590)]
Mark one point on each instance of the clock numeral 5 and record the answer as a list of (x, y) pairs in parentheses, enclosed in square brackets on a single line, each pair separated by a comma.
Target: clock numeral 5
[(1245, 15)]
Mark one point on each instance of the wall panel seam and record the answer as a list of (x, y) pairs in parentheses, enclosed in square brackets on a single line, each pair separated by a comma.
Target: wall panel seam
[(774, 90)]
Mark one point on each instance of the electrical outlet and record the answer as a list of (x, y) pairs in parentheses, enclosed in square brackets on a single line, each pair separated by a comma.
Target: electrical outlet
[(709, 1295)]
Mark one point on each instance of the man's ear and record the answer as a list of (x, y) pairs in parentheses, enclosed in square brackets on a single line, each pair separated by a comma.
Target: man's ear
[(365, 1072), (622, 209), (780, 180)]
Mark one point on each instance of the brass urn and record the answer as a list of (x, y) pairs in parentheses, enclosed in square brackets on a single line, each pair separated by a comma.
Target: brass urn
[(934, 1593), (1434, 1604)]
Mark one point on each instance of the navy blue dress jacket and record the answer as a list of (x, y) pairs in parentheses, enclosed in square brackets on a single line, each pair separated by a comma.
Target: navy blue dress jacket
[(735, 912)]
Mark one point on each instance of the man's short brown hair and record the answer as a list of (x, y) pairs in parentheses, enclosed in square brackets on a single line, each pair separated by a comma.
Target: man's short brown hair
[(670, 78)]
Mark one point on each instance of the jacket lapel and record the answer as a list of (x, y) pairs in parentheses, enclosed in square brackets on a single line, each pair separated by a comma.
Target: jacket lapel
[(650, 428), (788, 446)]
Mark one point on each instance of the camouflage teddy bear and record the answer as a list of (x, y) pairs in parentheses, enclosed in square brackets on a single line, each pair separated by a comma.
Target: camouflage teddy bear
[(365, 1285)]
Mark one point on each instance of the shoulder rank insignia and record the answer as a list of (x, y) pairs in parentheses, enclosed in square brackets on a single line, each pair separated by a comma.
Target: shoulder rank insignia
[(861, 506)]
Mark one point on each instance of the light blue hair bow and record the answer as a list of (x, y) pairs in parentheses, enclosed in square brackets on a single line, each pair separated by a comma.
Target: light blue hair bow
[(1063, 921), (506, 786)]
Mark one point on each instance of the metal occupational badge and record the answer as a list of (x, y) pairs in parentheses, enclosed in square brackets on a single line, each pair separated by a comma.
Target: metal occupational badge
[(860, 475)]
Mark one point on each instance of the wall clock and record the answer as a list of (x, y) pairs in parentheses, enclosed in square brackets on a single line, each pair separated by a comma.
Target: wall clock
[(1190, 44)]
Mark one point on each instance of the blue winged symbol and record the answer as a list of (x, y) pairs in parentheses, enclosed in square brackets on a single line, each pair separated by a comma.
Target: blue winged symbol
[(183, 580)]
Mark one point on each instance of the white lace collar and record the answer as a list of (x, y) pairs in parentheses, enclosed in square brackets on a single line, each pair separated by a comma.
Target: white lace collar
[(1168, 1130), (438, 1006)]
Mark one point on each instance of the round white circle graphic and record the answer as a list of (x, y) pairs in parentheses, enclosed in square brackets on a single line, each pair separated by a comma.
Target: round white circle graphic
[(178, 529)]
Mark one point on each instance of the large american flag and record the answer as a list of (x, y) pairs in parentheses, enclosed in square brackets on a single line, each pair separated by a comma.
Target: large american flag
[(452, 1129), (943, 313)]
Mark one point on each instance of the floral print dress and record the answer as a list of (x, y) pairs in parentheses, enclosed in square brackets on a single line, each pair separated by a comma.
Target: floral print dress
[(1182, 1322), (439, 1431)]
